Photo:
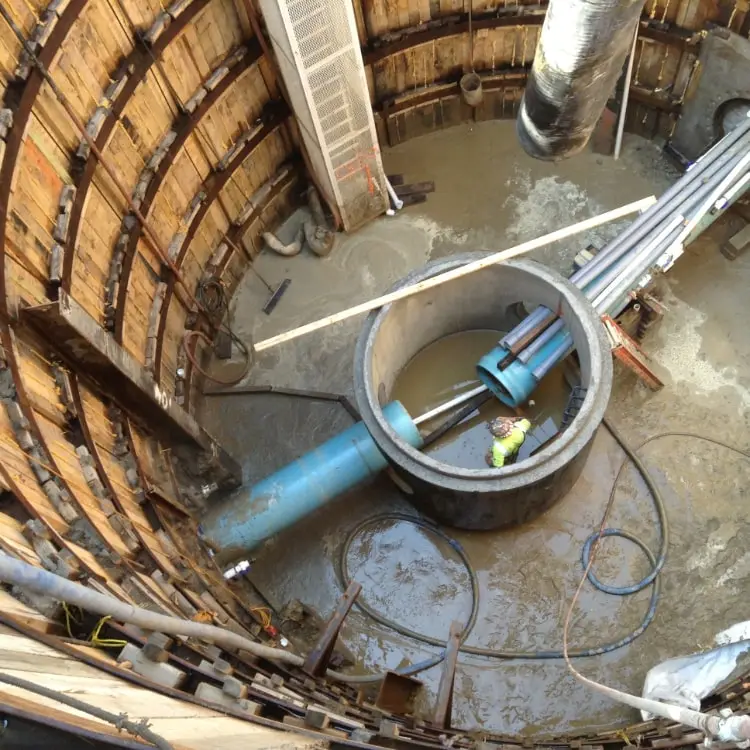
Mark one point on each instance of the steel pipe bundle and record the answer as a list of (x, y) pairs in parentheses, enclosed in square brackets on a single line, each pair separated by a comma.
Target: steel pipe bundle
[(656, 238)]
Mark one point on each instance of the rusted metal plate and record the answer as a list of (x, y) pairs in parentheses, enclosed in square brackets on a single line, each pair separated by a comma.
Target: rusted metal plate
[(397, 693), (317, 660), (627, 351), (444, 705)]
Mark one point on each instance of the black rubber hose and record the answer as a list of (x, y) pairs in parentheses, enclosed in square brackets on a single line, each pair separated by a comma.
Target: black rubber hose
[(656, 562), (139, 729)]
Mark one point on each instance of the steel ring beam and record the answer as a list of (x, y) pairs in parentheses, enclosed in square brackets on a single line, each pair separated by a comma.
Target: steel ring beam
[(184, 126), (139, 62)]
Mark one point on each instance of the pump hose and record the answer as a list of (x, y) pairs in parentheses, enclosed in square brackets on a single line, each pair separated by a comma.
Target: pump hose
[(656, 563)]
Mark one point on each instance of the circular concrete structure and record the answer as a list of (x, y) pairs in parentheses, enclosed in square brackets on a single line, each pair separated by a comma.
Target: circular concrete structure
[(392, 336)]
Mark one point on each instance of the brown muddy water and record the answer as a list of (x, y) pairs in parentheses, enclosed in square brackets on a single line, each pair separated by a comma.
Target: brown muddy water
[(446, 369)]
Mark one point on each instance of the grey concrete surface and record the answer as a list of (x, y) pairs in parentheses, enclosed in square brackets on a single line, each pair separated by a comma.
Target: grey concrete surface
[(491, 195)]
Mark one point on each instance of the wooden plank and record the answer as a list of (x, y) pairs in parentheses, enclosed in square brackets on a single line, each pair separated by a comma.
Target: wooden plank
[(25, 614), (456, 273)]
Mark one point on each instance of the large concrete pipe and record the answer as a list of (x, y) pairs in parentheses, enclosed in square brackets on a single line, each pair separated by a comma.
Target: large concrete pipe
[(391, 337), (579, 57)]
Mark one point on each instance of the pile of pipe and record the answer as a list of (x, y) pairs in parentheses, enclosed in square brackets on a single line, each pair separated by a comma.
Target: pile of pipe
[(654, 240)]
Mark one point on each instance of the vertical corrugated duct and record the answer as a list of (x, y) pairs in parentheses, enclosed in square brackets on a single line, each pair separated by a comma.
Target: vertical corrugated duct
[(579, 58)]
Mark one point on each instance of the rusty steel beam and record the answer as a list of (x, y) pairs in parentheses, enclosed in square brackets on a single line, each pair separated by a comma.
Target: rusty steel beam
[(317, 660), (655, 101), (21, 116), (214, 184), (493, 80), (459, 24), (405, 39), (138, 63), (498, 80), (87, 348), (444, 705), (186, 124)]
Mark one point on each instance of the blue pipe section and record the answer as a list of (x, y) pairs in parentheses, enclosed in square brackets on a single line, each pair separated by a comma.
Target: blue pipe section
[(251, 516), (515, 383)]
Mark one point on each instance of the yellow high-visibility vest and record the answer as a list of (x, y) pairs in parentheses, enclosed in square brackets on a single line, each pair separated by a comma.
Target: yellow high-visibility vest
[(506, 447)]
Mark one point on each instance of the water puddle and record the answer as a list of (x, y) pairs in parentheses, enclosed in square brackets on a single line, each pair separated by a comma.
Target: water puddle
[(446, 369)]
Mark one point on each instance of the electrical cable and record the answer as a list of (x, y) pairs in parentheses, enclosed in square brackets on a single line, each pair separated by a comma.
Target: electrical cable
[(656, 562), (211, 295), (727, 728), (121, 721)]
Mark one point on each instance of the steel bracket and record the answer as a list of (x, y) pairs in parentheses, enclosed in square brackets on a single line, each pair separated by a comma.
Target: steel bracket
[(627, 351)]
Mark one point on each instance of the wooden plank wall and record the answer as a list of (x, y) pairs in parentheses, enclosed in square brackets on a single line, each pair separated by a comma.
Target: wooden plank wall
[(65, 456), (414, 89), (75, 470)]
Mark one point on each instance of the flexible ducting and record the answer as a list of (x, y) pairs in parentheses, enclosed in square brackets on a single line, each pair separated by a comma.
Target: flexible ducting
[(580, 55)]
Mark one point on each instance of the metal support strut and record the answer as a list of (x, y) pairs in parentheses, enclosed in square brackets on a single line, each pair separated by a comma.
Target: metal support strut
[(444, 705), (317, 660)]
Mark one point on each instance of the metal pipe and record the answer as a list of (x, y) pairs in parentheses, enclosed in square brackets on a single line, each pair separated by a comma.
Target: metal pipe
[(642, 261), (615, 270), (511, 338), (562, 348), (448, 405), (625, 96), (581, 51), (730, 195), (398, 204), (715, 177), (688, 200), (667, 203)]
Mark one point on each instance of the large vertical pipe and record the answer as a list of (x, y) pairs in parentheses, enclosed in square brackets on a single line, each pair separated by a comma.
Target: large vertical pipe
[(579, 57)]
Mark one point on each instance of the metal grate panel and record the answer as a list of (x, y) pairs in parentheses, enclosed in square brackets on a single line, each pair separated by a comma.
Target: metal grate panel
[(318, 49)]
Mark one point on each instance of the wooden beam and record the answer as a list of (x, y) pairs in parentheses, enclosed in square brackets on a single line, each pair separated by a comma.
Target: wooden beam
[(95, 355), (457, 273)]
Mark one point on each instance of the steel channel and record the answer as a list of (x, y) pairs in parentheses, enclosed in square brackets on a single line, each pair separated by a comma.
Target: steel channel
[(510, 340), (540, 341)]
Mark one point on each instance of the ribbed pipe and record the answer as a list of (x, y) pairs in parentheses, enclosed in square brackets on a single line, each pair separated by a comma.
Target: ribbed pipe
[(579, 58)]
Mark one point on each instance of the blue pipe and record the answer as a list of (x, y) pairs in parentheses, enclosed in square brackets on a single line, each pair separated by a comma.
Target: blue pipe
[(515, 383), (250, 516)]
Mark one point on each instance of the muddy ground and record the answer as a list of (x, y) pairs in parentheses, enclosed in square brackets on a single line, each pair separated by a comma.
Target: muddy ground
[(490, 196)]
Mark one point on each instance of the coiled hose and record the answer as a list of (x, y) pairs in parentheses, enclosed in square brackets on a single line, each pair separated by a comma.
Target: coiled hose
[(652, 579)]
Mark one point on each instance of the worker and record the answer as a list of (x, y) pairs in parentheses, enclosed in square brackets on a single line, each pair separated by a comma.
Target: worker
[(509, 434)]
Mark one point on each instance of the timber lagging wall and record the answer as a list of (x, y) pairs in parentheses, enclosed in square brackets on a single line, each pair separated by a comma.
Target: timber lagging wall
[(185, 108)]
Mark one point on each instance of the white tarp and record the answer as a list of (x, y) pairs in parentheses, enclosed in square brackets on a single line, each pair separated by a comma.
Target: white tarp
[(685, 680)]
